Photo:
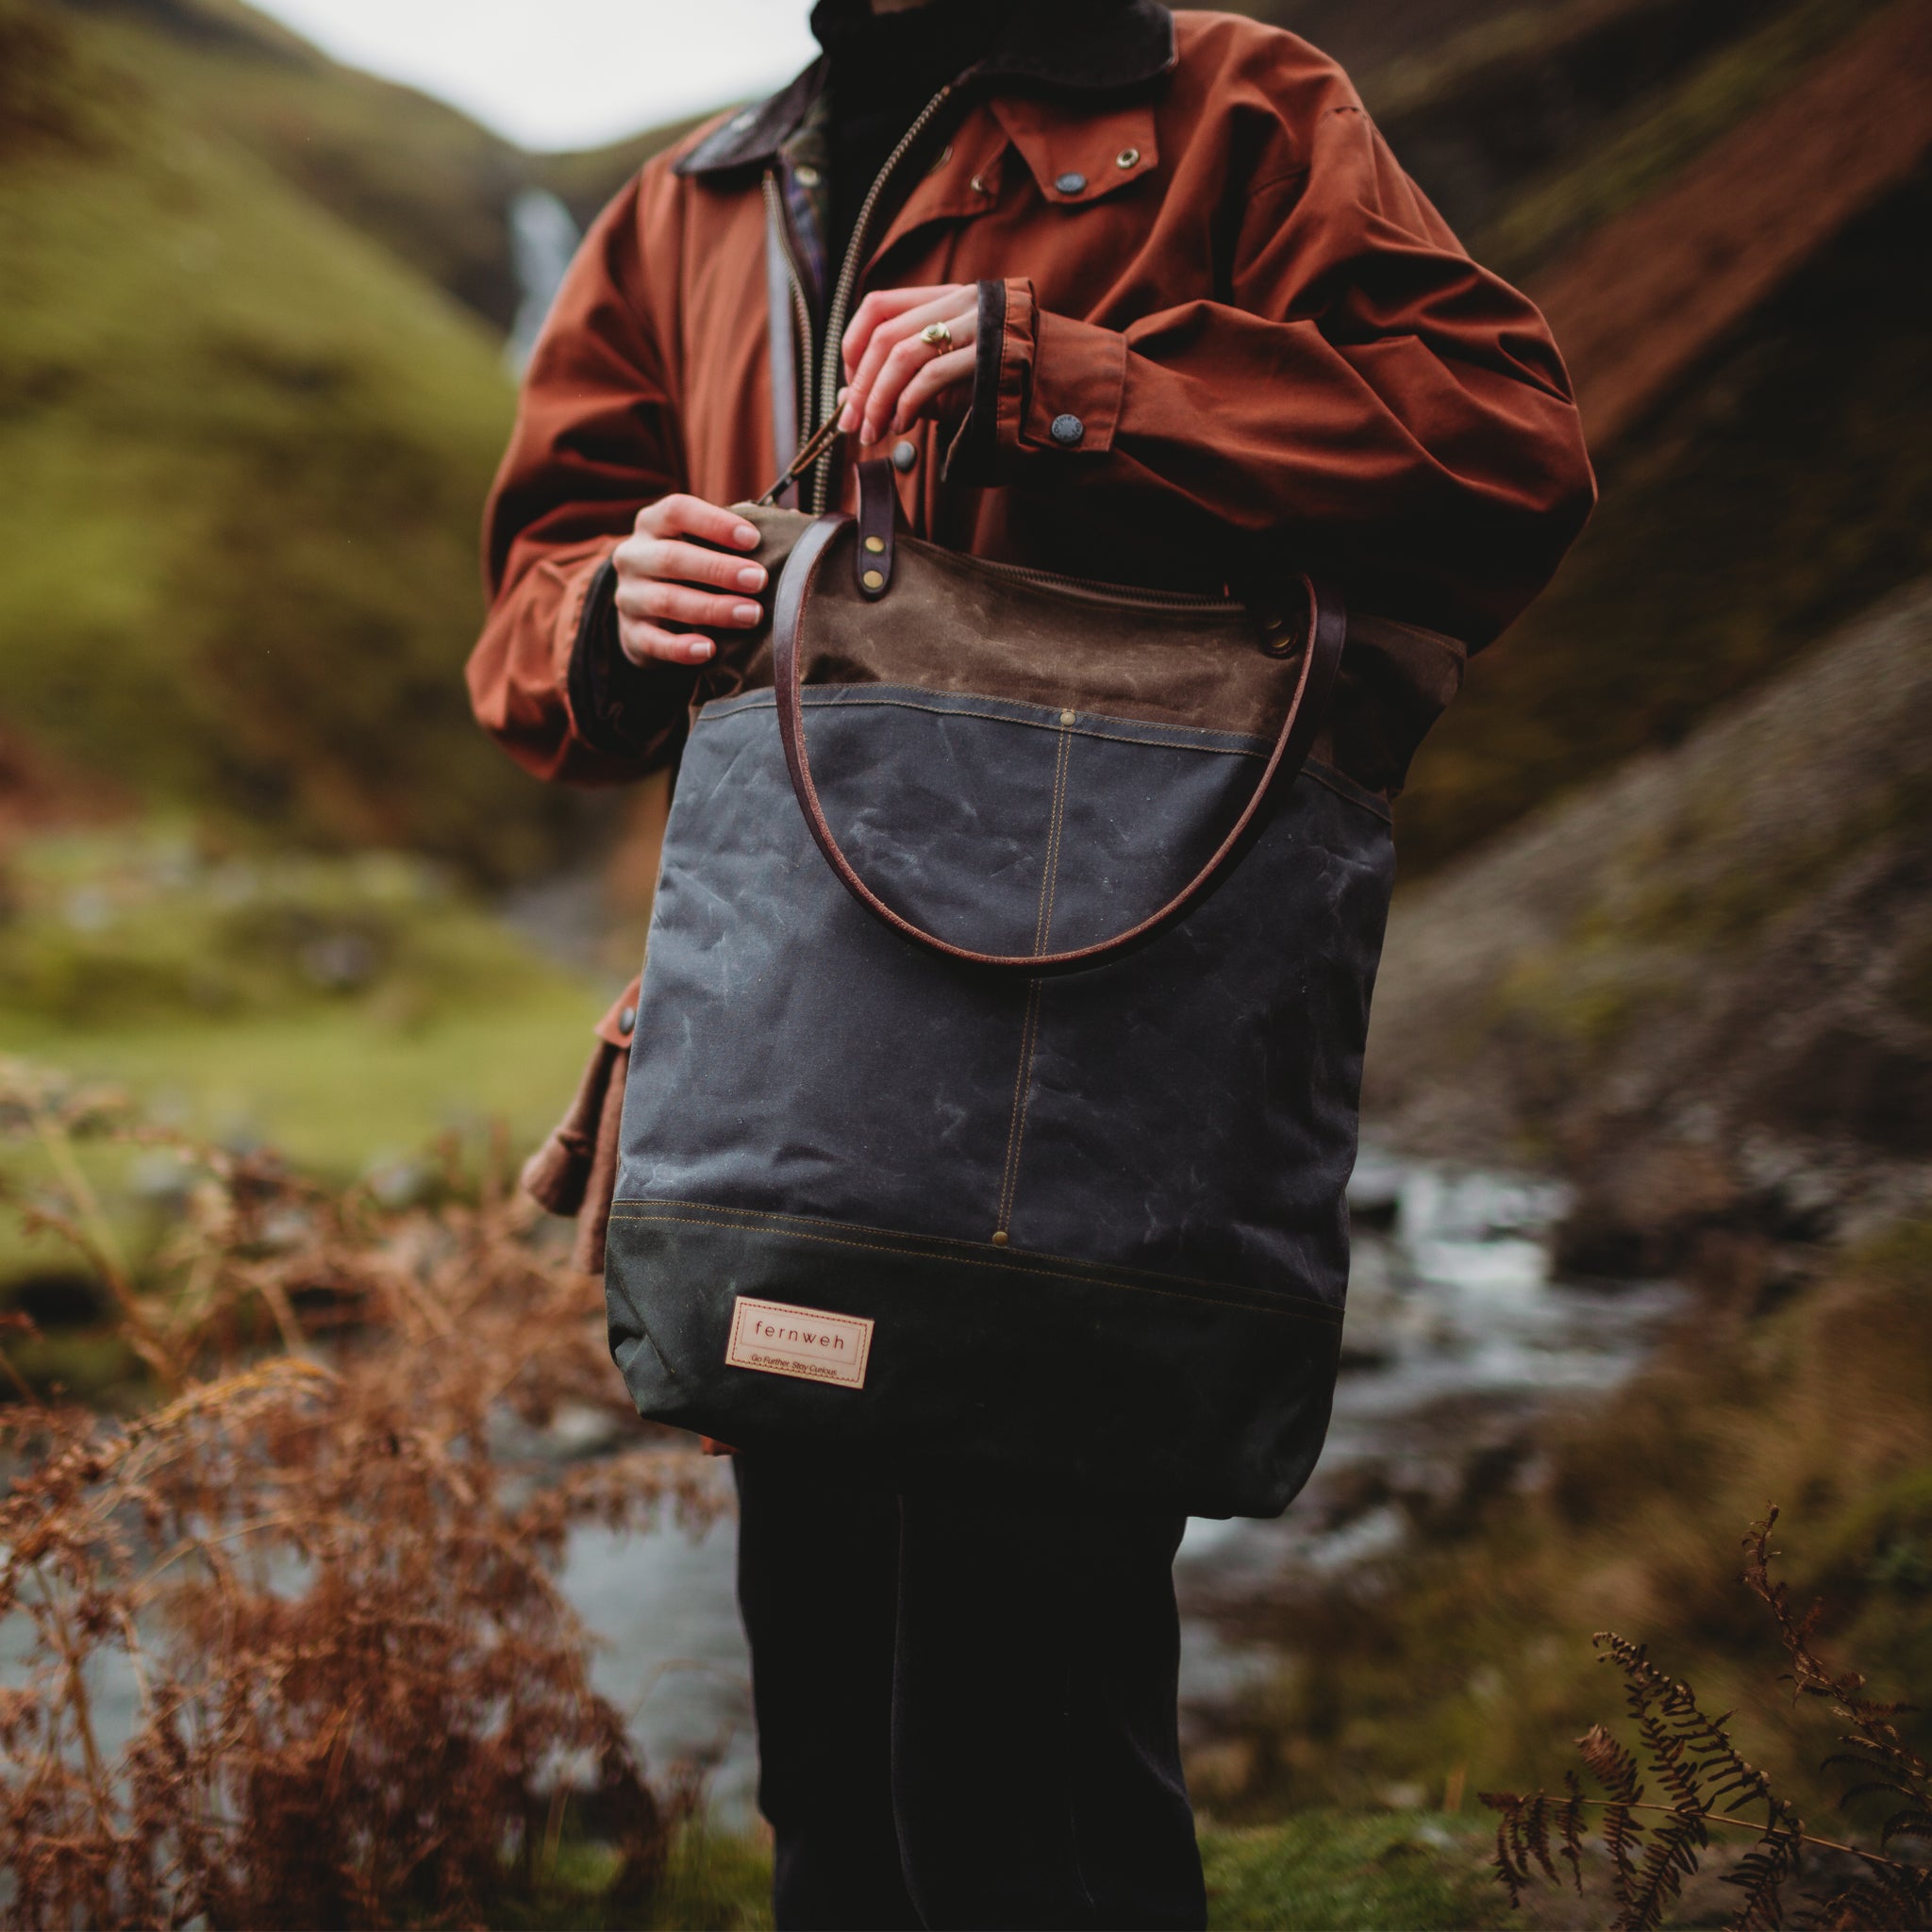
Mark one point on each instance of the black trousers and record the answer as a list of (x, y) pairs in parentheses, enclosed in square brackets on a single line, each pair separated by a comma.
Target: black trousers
[(966, 1706)]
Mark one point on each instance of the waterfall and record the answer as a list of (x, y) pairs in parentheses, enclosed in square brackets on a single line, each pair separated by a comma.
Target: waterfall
[(542, 239)]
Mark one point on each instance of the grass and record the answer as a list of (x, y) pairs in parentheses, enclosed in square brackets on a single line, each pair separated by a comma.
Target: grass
[(1782, 487), (1663, 128), (1325, 1872), (350, 1014), (1468, 1660), (247, 450)]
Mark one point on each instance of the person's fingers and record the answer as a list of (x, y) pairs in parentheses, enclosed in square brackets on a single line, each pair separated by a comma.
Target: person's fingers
[(880, 407), (642, 642), (652, 599), (682, 515), (882, 305), (891, 338), (894, 351), (939, 375), (686, 563)]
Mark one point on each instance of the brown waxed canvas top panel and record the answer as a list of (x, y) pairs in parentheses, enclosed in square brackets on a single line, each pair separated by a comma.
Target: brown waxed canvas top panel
[(954, 624)]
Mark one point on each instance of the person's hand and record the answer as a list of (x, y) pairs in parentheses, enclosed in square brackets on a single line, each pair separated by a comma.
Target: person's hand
[(661, 575), (893, 378)]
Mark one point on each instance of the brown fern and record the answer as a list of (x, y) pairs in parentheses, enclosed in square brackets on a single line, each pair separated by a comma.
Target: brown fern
[(359, 1687), (1655, 1847)]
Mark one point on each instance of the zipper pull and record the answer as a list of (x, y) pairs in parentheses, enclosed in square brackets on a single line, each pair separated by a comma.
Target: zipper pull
[(810, 450)]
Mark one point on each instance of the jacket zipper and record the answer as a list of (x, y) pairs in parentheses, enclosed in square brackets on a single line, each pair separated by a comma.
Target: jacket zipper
[(817, 489)]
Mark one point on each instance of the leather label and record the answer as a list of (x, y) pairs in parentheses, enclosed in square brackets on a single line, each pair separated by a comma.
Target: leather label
[(779, 1340)]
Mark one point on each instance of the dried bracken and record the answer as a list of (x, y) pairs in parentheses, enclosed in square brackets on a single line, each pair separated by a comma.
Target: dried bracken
[(1654, 1845), (314, 1566)]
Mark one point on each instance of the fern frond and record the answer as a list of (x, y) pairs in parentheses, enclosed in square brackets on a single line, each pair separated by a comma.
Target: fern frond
[(1571, 1830), (1763, 1870), (1671, 1860), (1611, 1764), (1912, 1824), (1510, 1870)]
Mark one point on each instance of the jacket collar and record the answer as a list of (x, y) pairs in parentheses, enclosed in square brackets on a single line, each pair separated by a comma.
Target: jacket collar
[(1077, 50)]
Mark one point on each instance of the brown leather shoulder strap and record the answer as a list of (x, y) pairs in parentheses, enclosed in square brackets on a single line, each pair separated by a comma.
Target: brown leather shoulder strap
[(1326, 631)]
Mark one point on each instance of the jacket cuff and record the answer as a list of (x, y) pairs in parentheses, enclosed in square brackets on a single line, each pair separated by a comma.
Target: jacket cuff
[(972, 456), (1060, 382), (625, 711)]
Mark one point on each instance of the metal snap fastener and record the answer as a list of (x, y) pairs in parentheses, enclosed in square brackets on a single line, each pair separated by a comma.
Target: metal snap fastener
[(979, 186), (627, 1019), (877, 545), (1066, 717), (1128, 158), (874, 580), (905, 456), (1070, 183), (999, 1237), (1067, 431), (807, 175)]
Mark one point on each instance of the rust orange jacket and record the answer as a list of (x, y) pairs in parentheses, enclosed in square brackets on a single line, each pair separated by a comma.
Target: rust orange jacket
[(1193, 244)]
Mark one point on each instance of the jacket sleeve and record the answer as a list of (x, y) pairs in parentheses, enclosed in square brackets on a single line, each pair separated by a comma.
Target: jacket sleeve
[(1365, 393), (596, 439)]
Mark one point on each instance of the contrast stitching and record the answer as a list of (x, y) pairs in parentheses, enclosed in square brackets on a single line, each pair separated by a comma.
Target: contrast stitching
[(758, 700), (1029, 1032), (1328, 1321), (1021, 1082), (898, 1234)]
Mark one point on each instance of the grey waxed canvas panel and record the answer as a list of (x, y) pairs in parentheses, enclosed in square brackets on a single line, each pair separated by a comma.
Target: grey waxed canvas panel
[(820, 1112)]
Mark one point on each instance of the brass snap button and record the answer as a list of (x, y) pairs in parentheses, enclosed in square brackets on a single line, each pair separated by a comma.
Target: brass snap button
[(877, 545), (1066, 717), (874, 580), (1070, 183), (1128, 158), (999, 1237)]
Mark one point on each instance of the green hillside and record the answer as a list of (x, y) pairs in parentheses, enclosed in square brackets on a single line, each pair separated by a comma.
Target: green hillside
[(1780, 487), (245, 450)]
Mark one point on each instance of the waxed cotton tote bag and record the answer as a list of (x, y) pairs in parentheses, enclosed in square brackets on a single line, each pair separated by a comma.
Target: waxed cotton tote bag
[(994, 1084)]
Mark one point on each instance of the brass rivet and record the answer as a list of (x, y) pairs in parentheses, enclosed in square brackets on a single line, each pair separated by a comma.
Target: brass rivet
[(1128, 158), (979, 186), (877, 545), (1066, 717), (807, 175), (874, 580), (999, 1237)]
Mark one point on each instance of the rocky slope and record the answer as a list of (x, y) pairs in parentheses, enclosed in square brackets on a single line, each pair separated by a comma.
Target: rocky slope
[(1704, 985)]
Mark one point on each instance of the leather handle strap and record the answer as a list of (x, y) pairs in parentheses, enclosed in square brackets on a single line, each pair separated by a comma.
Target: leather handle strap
[(878, 523), (1327, 632)]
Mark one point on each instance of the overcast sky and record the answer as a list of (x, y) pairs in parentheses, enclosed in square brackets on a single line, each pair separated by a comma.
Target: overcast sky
[(566, 72)]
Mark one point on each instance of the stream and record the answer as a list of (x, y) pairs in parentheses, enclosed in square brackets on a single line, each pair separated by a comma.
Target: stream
[(1458, 1338)]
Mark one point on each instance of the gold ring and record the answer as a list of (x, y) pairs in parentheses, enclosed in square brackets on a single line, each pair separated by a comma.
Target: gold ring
[(936, 335)]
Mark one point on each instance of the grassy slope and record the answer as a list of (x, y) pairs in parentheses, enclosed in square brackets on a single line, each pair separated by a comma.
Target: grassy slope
[(245, 452), (413, 174), (1784, 485)]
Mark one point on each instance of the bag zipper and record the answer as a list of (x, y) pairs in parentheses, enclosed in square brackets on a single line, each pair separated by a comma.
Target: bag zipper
[(1125, 596)]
